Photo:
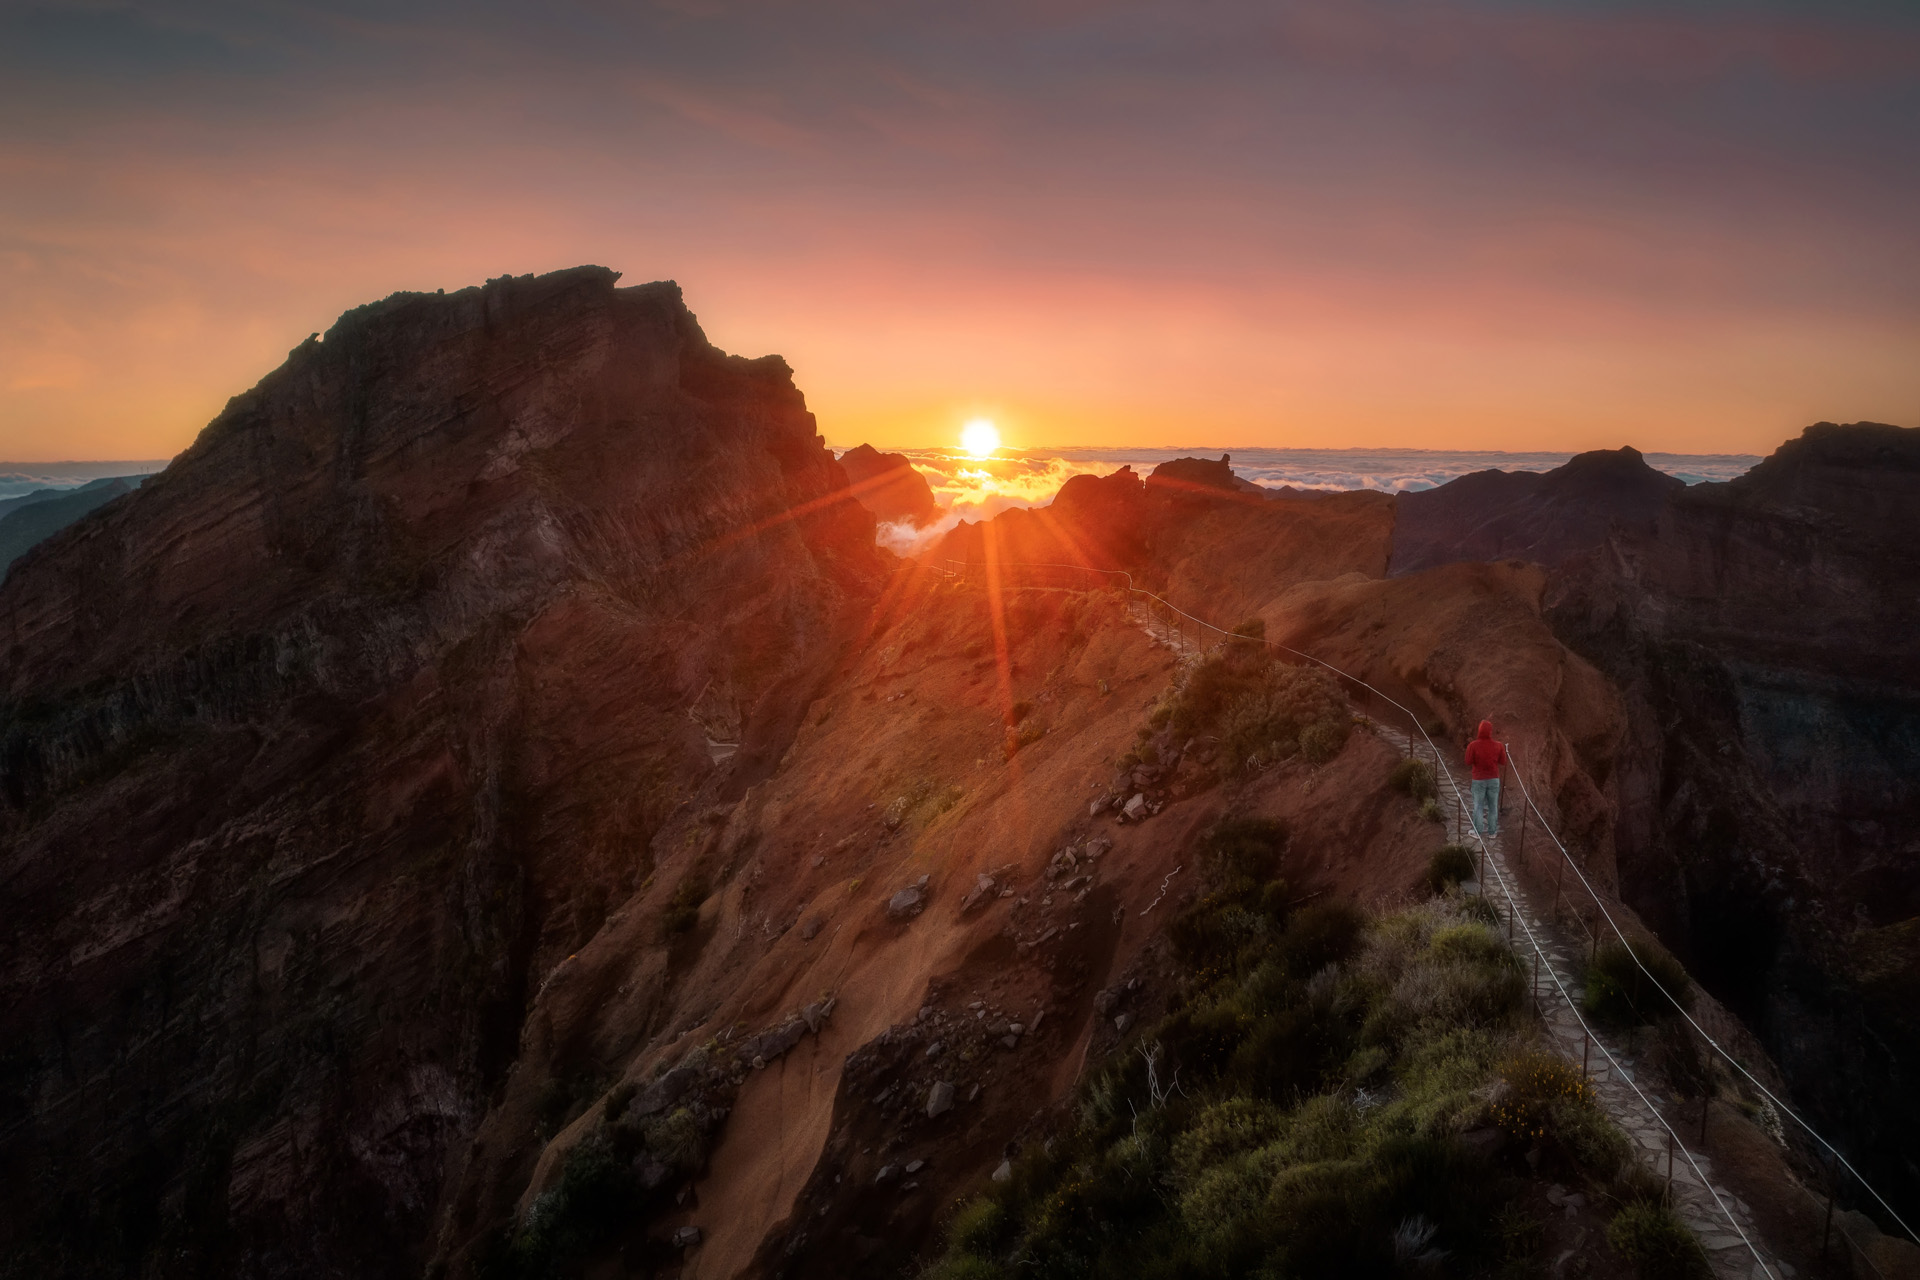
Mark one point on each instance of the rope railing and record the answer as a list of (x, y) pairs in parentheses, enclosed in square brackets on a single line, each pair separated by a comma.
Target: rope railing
[(1514, 915), (1202, 627), (1777, 1103), (1486, 861)]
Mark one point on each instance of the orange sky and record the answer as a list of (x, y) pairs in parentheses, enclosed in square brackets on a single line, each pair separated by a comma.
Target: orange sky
[(1440, 224)]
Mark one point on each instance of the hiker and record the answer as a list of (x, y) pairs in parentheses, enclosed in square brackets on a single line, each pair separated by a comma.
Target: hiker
[(1485, 757)]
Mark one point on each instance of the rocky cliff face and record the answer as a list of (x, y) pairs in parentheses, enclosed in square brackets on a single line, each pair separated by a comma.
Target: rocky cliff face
[(1768, 791), (324, 748), (887, 485)]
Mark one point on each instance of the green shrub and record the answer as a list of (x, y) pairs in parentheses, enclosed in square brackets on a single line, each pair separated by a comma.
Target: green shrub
[(1259, 709), (1589, 1138), (678, 1139), (1620, 994), (592, 1201), (1652, 1237), (1026, 735), (962, 1266), (1432, 812), (1297, 1111), (1226, 1129), (617, 1100), (1322, 740), (682, 911), (1534, 1083), (978, 1227), (1252, 629), (1521, 1235), (1413, 778), (1448, 867)]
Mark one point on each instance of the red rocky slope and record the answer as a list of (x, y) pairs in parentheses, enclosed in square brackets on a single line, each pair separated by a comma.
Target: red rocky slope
[(324, 746)]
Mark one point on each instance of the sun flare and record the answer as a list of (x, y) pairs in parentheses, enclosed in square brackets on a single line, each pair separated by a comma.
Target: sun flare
[(980, 438)]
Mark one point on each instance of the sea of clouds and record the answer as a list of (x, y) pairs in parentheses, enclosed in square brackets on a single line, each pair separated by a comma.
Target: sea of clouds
[(17, 478), (974, 488)]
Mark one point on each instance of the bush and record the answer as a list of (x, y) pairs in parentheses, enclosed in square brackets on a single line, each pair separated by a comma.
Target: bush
[(678, 1139), (1535, 1083), (1620, 994), (682, 911), (1322, 740), (589, 1205), (1432, 812), (1252, 629), (1026, 735), (1260, 709), (1298, 1113), (1452, 864), (1652, 1237), (1413, 778)]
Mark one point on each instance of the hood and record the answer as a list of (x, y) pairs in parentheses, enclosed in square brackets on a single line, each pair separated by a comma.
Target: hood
[(1486, 730)]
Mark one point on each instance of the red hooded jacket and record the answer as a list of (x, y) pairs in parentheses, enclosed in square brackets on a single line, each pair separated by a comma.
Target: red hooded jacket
[(1484, 755)]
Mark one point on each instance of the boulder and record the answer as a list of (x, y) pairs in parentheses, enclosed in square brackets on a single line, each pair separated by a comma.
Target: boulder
[(907, 903), (1136, 807), (939, 1099), (983, 888), (686, 1237)]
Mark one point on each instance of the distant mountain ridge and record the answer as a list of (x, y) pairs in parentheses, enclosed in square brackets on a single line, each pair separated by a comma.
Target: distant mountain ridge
[(1542, 517), (17, 478), (31, 518)]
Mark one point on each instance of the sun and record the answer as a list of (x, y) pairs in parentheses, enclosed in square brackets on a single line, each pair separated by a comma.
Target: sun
[(980, 438)]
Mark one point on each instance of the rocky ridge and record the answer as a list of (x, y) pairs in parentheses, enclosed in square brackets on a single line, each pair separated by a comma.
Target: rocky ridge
[(324, 748), (509, 776)]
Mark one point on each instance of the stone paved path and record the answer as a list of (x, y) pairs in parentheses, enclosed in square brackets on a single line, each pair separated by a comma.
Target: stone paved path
[(1694, 1193)]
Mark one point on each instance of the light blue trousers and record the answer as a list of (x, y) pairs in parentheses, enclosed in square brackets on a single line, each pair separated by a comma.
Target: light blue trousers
[(1486, 806)]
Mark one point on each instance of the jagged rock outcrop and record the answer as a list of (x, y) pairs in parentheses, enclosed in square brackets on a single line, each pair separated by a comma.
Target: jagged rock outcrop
[(324, 749), (1526, 515), (1211, 541), (887, 485)]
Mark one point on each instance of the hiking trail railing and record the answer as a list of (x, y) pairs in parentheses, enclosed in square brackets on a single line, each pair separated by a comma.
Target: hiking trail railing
[(1205, 636)]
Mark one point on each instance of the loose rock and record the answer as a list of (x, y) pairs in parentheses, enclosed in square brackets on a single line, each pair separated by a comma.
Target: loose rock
[(940, 1099)]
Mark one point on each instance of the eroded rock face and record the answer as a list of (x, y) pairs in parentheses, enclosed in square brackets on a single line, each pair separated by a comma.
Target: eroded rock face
[(332, 742), (1768, 789)]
